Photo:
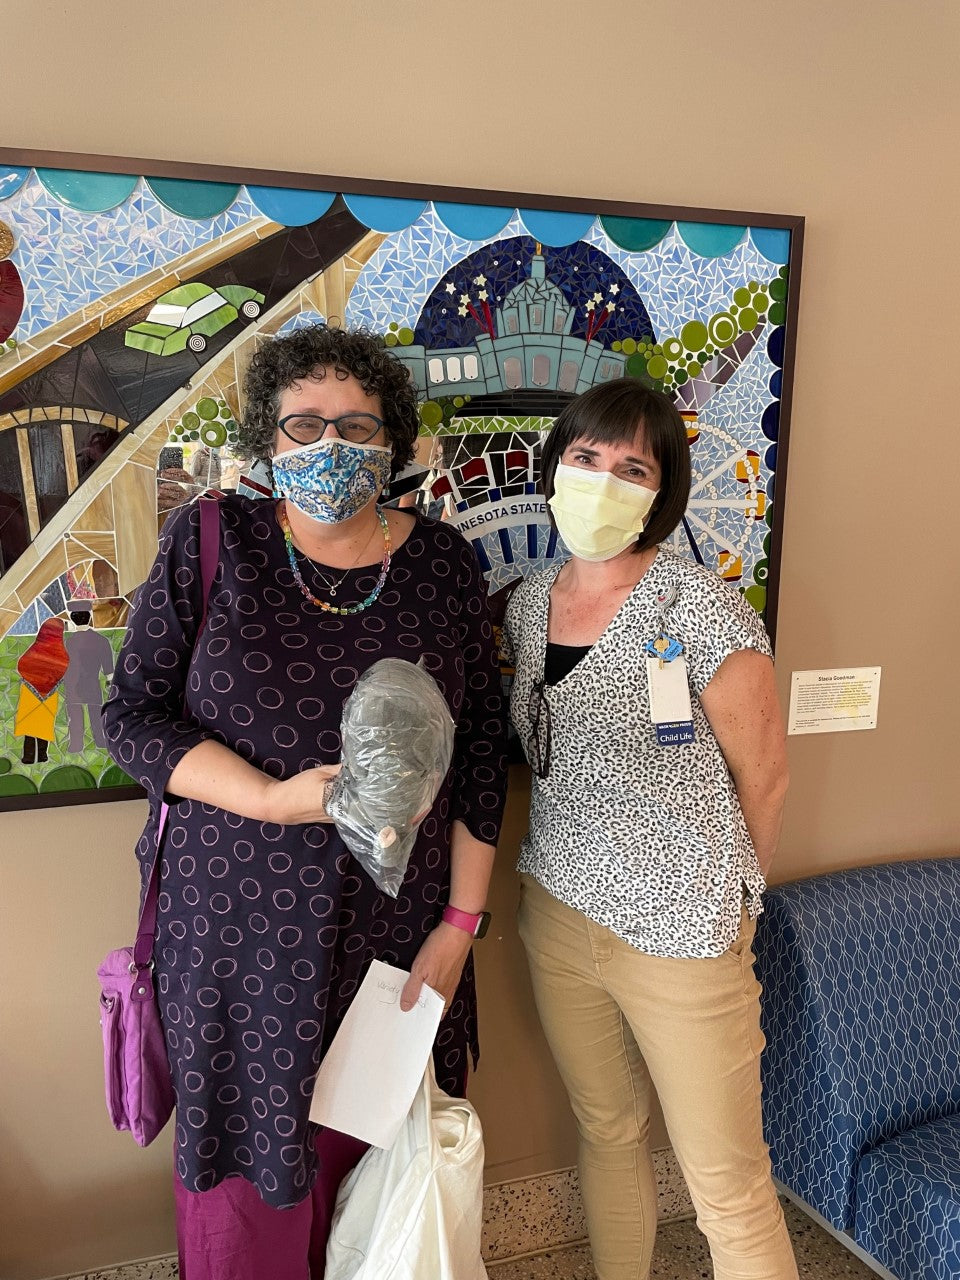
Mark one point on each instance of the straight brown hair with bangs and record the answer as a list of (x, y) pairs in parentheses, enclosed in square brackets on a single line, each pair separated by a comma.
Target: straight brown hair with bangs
[(613, 413)]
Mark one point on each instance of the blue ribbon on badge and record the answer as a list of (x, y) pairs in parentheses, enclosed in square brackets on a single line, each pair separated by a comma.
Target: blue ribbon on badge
[(664, 648)]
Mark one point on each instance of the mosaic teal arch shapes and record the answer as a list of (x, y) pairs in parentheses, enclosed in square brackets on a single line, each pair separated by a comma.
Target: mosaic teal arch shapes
[(636, 234), (385, 213), (556, 229), (88, 192), (11, 180), (773, 243), (710, 239), (289, 206), (193, 199), (473, 221)]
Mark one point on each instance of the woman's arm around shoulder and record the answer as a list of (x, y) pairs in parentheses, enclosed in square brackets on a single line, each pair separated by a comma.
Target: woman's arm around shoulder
[(479, 754), (479, 785)]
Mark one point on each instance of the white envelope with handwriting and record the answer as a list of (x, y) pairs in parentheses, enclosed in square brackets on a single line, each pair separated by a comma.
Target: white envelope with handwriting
[(368, 1080)]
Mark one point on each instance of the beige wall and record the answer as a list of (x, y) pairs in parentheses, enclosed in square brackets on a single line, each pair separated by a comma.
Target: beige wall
[(844, 112)]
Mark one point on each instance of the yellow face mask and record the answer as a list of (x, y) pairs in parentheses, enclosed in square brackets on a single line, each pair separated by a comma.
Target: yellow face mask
[(598, 514)]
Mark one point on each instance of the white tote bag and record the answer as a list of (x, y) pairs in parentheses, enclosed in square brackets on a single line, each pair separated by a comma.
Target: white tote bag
[(416, 1210)]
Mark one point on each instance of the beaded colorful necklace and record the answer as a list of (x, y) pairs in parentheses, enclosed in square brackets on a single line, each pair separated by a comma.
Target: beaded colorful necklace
[(322, 604)]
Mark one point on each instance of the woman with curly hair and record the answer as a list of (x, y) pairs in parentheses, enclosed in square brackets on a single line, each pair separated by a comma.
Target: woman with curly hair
[(266, 924)]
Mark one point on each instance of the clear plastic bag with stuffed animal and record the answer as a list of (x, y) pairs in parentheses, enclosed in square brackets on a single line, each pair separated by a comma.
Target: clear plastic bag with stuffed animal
[(397, 744)]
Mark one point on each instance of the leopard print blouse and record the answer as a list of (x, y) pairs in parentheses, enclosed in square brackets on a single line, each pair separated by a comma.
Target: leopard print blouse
[(648, 841)]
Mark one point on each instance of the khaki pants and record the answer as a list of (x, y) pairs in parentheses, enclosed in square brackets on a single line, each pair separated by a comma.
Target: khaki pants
[(621, 1024)]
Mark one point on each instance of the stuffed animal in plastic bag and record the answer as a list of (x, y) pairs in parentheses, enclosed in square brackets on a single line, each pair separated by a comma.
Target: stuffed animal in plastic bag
[(397, 744)]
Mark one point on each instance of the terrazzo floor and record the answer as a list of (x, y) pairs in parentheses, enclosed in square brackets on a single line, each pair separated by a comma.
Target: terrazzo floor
[(681, 1254)]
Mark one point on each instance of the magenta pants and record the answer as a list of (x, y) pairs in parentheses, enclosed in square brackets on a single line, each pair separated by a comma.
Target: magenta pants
[(229, 1233)]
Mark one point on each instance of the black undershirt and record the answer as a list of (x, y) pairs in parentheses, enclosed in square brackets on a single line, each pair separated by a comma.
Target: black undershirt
[(560, 659)]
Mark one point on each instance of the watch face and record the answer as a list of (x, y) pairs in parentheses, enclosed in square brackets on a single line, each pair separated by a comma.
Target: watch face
[(483, 925)]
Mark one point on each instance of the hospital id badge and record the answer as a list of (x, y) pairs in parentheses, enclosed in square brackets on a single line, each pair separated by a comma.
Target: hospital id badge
[(670, 708)]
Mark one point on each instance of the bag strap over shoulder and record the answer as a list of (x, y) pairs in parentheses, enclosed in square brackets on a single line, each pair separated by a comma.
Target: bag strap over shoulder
[(209, 560)]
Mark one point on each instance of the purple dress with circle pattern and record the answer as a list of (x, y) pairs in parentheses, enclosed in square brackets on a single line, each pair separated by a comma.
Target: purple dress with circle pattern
[(265, 931)]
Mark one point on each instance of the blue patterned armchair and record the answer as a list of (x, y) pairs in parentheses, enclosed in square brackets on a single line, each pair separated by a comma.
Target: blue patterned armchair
[(861, 1073)]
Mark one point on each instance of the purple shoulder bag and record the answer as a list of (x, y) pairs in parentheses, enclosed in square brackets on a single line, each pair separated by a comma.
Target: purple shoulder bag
[(135, 1065)]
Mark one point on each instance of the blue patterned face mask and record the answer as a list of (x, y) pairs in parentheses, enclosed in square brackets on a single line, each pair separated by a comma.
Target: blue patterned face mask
[(331, 480)]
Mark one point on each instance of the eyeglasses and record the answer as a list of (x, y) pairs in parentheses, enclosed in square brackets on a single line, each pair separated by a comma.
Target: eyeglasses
[(540, 741), (307, 428)]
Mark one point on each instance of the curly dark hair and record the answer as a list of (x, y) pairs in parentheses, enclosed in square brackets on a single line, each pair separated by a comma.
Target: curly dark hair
[(308, 352)]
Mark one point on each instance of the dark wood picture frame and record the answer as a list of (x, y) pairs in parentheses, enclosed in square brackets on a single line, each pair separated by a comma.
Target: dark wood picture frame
[(600, 208)]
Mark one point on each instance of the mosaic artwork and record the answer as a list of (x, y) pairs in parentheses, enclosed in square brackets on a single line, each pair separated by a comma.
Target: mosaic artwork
[(129, 306)]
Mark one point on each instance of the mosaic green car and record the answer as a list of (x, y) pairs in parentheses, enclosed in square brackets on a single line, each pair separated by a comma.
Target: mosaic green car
[(190, 314)]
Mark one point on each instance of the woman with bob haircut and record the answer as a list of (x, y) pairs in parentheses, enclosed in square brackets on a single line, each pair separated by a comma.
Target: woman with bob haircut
[(267, 925), (645, 700)]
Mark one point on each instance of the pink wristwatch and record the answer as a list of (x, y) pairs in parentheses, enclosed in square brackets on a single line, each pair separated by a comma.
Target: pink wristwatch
[(475, 925)]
